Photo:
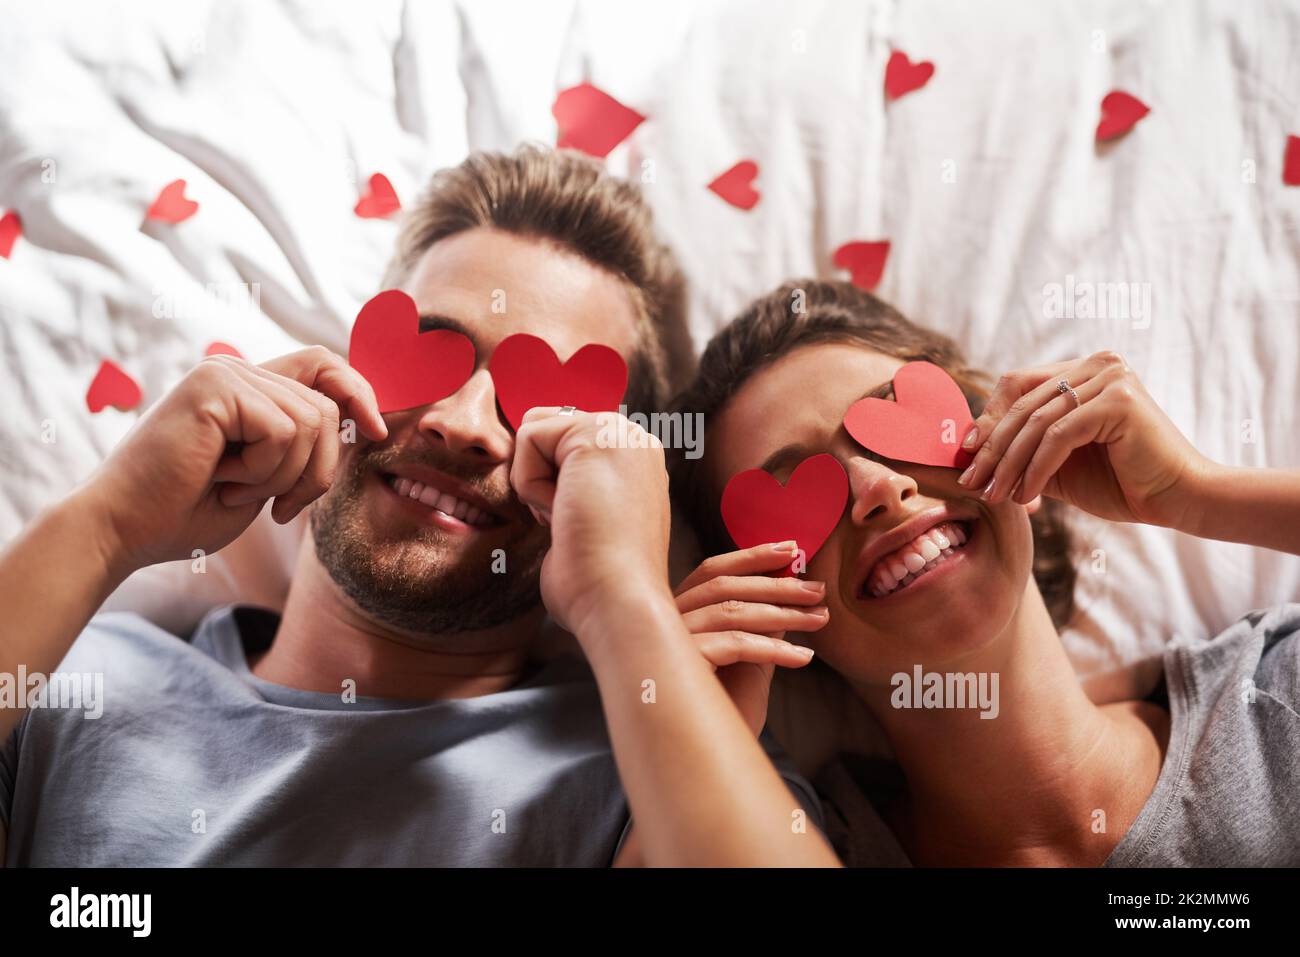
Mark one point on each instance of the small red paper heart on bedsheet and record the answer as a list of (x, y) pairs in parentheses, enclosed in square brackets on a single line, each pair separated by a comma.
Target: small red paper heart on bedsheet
[(222, 349), (11, 227), (904, 76), (591, 120), (404, 366), (171, 206), (527, 373), (736, 185), (1291, 162), (112, 386), (864, 261), (1119, 112), (757, 509), (379, 200), (924, 424)]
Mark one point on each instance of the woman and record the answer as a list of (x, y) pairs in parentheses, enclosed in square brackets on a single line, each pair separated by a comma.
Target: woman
[(1205, 772)]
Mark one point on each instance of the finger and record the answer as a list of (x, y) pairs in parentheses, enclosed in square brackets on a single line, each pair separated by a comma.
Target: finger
[(307, 421), (1009, 388), (1013, 416), (747, 561), (262, 430), (725, 648), (1007, 475), (317, 475), (756, 588), (754, 617), (535, 467), (327, 372), (1072, 431)]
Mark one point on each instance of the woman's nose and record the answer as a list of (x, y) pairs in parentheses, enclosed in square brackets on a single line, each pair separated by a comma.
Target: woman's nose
[(876, 489)]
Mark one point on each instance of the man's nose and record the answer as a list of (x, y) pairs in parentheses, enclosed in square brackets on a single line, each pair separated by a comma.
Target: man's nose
[(467, 423), (876, 489)]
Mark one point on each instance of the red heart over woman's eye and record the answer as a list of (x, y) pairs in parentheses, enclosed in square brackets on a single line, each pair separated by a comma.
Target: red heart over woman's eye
[(404, 366), (758, 509), (527, 373), (924, 424)]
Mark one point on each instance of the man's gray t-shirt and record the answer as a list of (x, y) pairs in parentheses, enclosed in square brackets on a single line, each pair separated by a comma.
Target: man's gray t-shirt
[(1228, 793), (196, 761)]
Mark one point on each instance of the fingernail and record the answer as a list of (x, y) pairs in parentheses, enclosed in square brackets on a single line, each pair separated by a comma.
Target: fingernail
[(965, 476), (815, 587), (971, 436), (988, 489), (821, 611), (785, 546), (805, 651)]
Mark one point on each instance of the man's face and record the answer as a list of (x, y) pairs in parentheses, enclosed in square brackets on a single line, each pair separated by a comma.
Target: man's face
[(422, 531)]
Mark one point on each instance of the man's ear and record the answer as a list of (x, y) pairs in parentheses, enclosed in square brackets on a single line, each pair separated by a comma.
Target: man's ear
[(1034, 504)]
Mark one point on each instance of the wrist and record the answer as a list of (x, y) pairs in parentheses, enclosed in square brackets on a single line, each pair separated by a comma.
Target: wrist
[(1205, 485), (607, 610), (85, 512)]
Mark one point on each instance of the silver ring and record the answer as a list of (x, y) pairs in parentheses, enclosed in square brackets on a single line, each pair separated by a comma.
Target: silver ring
[(1064, 388), (567, 410)]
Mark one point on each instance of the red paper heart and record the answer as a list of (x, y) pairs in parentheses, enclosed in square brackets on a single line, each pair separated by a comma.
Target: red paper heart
[(924, 424), (904, 76), (379, 200), (527, 373), (591, 120), (1119, 111), (171, 206), (758, 509), (222, 349), (404, 366), (11, 227), (735, 185), (864, 261), (112, 386), (1291, 162)]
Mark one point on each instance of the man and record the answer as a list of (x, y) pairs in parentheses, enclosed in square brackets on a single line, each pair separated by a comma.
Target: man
[(394, 714)]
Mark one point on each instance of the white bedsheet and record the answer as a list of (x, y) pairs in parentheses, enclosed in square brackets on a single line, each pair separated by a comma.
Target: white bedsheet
[(276, 112)]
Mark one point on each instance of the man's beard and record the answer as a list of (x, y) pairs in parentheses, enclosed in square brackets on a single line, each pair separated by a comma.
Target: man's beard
[(410, 582)]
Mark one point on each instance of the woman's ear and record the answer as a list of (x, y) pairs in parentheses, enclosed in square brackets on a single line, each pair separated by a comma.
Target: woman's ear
[(1034, 504)]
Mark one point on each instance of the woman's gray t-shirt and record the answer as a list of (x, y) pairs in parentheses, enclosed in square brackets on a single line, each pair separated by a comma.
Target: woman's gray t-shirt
[(1228, 793)]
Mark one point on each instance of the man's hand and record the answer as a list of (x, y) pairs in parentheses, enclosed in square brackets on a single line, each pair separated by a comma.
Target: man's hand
[(607, 507), (199, 466)]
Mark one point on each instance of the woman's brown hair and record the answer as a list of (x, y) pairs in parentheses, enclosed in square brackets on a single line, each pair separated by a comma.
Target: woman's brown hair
[(805, 312)]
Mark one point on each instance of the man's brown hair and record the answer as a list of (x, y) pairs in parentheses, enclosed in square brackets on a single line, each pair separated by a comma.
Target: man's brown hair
[(568, 199)]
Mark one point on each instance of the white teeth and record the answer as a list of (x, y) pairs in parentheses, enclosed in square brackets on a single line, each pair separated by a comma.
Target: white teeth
[(913, 560), (443, 502)]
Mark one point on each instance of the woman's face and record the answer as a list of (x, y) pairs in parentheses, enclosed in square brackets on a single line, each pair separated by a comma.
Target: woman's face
[(948, 602)]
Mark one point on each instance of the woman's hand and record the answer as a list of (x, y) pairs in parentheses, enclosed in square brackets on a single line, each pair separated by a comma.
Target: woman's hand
[(1114, 453), (738, 614)]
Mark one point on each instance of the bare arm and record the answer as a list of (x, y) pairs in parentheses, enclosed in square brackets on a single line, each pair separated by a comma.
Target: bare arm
[(53, 577), (1253, 506), (701, 789)]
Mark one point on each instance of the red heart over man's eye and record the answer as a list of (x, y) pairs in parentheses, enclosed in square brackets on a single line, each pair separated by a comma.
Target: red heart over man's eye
[(404, 366), (924, 424), (758, 509), (527, 373)]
